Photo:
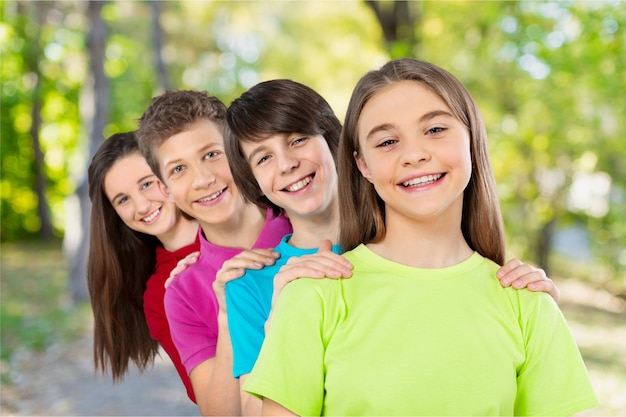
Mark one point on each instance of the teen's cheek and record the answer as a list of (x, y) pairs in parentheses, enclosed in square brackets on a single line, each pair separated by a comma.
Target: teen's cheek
[(362, 166)]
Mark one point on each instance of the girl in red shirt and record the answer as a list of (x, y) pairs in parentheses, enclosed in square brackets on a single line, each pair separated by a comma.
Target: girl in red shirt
[(137, 237)]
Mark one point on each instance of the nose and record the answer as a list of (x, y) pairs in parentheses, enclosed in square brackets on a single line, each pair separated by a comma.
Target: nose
[(415, 152), (143, 203), (203, 177), (287, 162)]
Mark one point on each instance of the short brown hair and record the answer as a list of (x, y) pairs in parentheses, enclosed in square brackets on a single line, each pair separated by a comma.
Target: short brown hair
[(269, 108), (173, 112), (363, 211)]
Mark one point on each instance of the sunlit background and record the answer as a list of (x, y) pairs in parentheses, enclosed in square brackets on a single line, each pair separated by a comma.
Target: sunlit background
[(549, 78)]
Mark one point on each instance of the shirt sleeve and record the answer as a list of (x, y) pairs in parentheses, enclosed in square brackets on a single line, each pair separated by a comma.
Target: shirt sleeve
[(154, 311), (290, 368), (246, 324), (553, 379), (194, 341)]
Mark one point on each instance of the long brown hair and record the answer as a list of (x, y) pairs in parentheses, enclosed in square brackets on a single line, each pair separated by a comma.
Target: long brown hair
[(120, 262), (274, 107), (363, 211)]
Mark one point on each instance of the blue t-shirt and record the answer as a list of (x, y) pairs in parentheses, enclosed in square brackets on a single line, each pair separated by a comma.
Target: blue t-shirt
[(249, 301)]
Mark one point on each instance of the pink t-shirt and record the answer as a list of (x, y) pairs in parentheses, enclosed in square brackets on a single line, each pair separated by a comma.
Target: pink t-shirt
[(190, 302)]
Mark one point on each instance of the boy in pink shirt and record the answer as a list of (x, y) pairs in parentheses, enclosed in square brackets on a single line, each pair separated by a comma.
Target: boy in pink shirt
[(181, 136)]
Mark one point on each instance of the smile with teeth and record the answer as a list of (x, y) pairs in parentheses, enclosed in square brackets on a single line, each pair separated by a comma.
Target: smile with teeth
[(151, 217), (424, 180), (211, 197), (300, 184)]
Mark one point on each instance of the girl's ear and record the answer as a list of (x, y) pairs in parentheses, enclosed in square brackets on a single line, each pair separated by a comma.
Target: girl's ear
[(166, 192), (362, 165)]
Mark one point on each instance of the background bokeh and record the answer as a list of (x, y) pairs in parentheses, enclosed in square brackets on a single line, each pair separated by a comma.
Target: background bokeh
[(549, 78)]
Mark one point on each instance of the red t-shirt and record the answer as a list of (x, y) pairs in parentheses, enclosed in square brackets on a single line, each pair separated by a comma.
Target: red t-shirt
[(155, 311)]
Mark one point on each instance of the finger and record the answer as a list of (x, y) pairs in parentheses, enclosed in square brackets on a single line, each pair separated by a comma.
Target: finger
[(326, 245), (263, 256), (526, 272), (318, 267), (193, 254), (177, 270), (242, 263), (299, 271), (260, 252), (190, 259), (325, 257), (224, 276), (508, 267), (546, 286)]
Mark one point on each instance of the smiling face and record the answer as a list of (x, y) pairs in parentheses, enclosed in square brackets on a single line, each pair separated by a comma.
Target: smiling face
[(294, 171), (134, 193), (196, 172), (414, 152)]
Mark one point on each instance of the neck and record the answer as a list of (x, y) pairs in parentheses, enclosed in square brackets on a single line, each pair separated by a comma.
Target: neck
[(181, 235), (434, 243), (241, 231), (309, 232)]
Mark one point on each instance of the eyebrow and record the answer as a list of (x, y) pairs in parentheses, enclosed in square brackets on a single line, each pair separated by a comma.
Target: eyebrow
[(426, 117), (115, 197), (435, 113), (145, 177), (177, 161), (139, 181), (257, 150)]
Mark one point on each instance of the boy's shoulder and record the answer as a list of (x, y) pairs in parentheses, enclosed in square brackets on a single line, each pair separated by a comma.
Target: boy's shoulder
[(197, 277)]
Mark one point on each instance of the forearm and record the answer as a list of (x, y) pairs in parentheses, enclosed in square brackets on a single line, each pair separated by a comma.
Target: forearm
[(221, 393), (250, 405), (272, 408)]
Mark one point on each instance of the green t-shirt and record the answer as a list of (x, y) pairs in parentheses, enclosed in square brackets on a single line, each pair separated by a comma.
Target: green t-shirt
[(398, 340)]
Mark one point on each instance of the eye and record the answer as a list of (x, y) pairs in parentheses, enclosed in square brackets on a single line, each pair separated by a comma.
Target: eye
[(387, 142), (146, 185), (300, 140), (263, 159), (122, 200), (211, 155), (177, 170), (435, 130)]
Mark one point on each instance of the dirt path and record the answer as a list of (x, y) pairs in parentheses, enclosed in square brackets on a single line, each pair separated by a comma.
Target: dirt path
[(61, 381)]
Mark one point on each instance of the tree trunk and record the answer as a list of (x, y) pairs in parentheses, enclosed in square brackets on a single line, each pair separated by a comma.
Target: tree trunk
[(398, 20), (157, 35), (544, 243), (94, 110), (32, 59)]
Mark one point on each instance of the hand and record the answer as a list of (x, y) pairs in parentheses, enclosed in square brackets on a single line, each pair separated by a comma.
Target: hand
[(190, 259), (236, 266), (520, 275), (323, 264)]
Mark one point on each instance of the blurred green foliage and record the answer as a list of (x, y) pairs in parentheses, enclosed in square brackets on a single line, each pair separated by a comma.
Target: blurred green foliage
[(549, 78), (35, 309)]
